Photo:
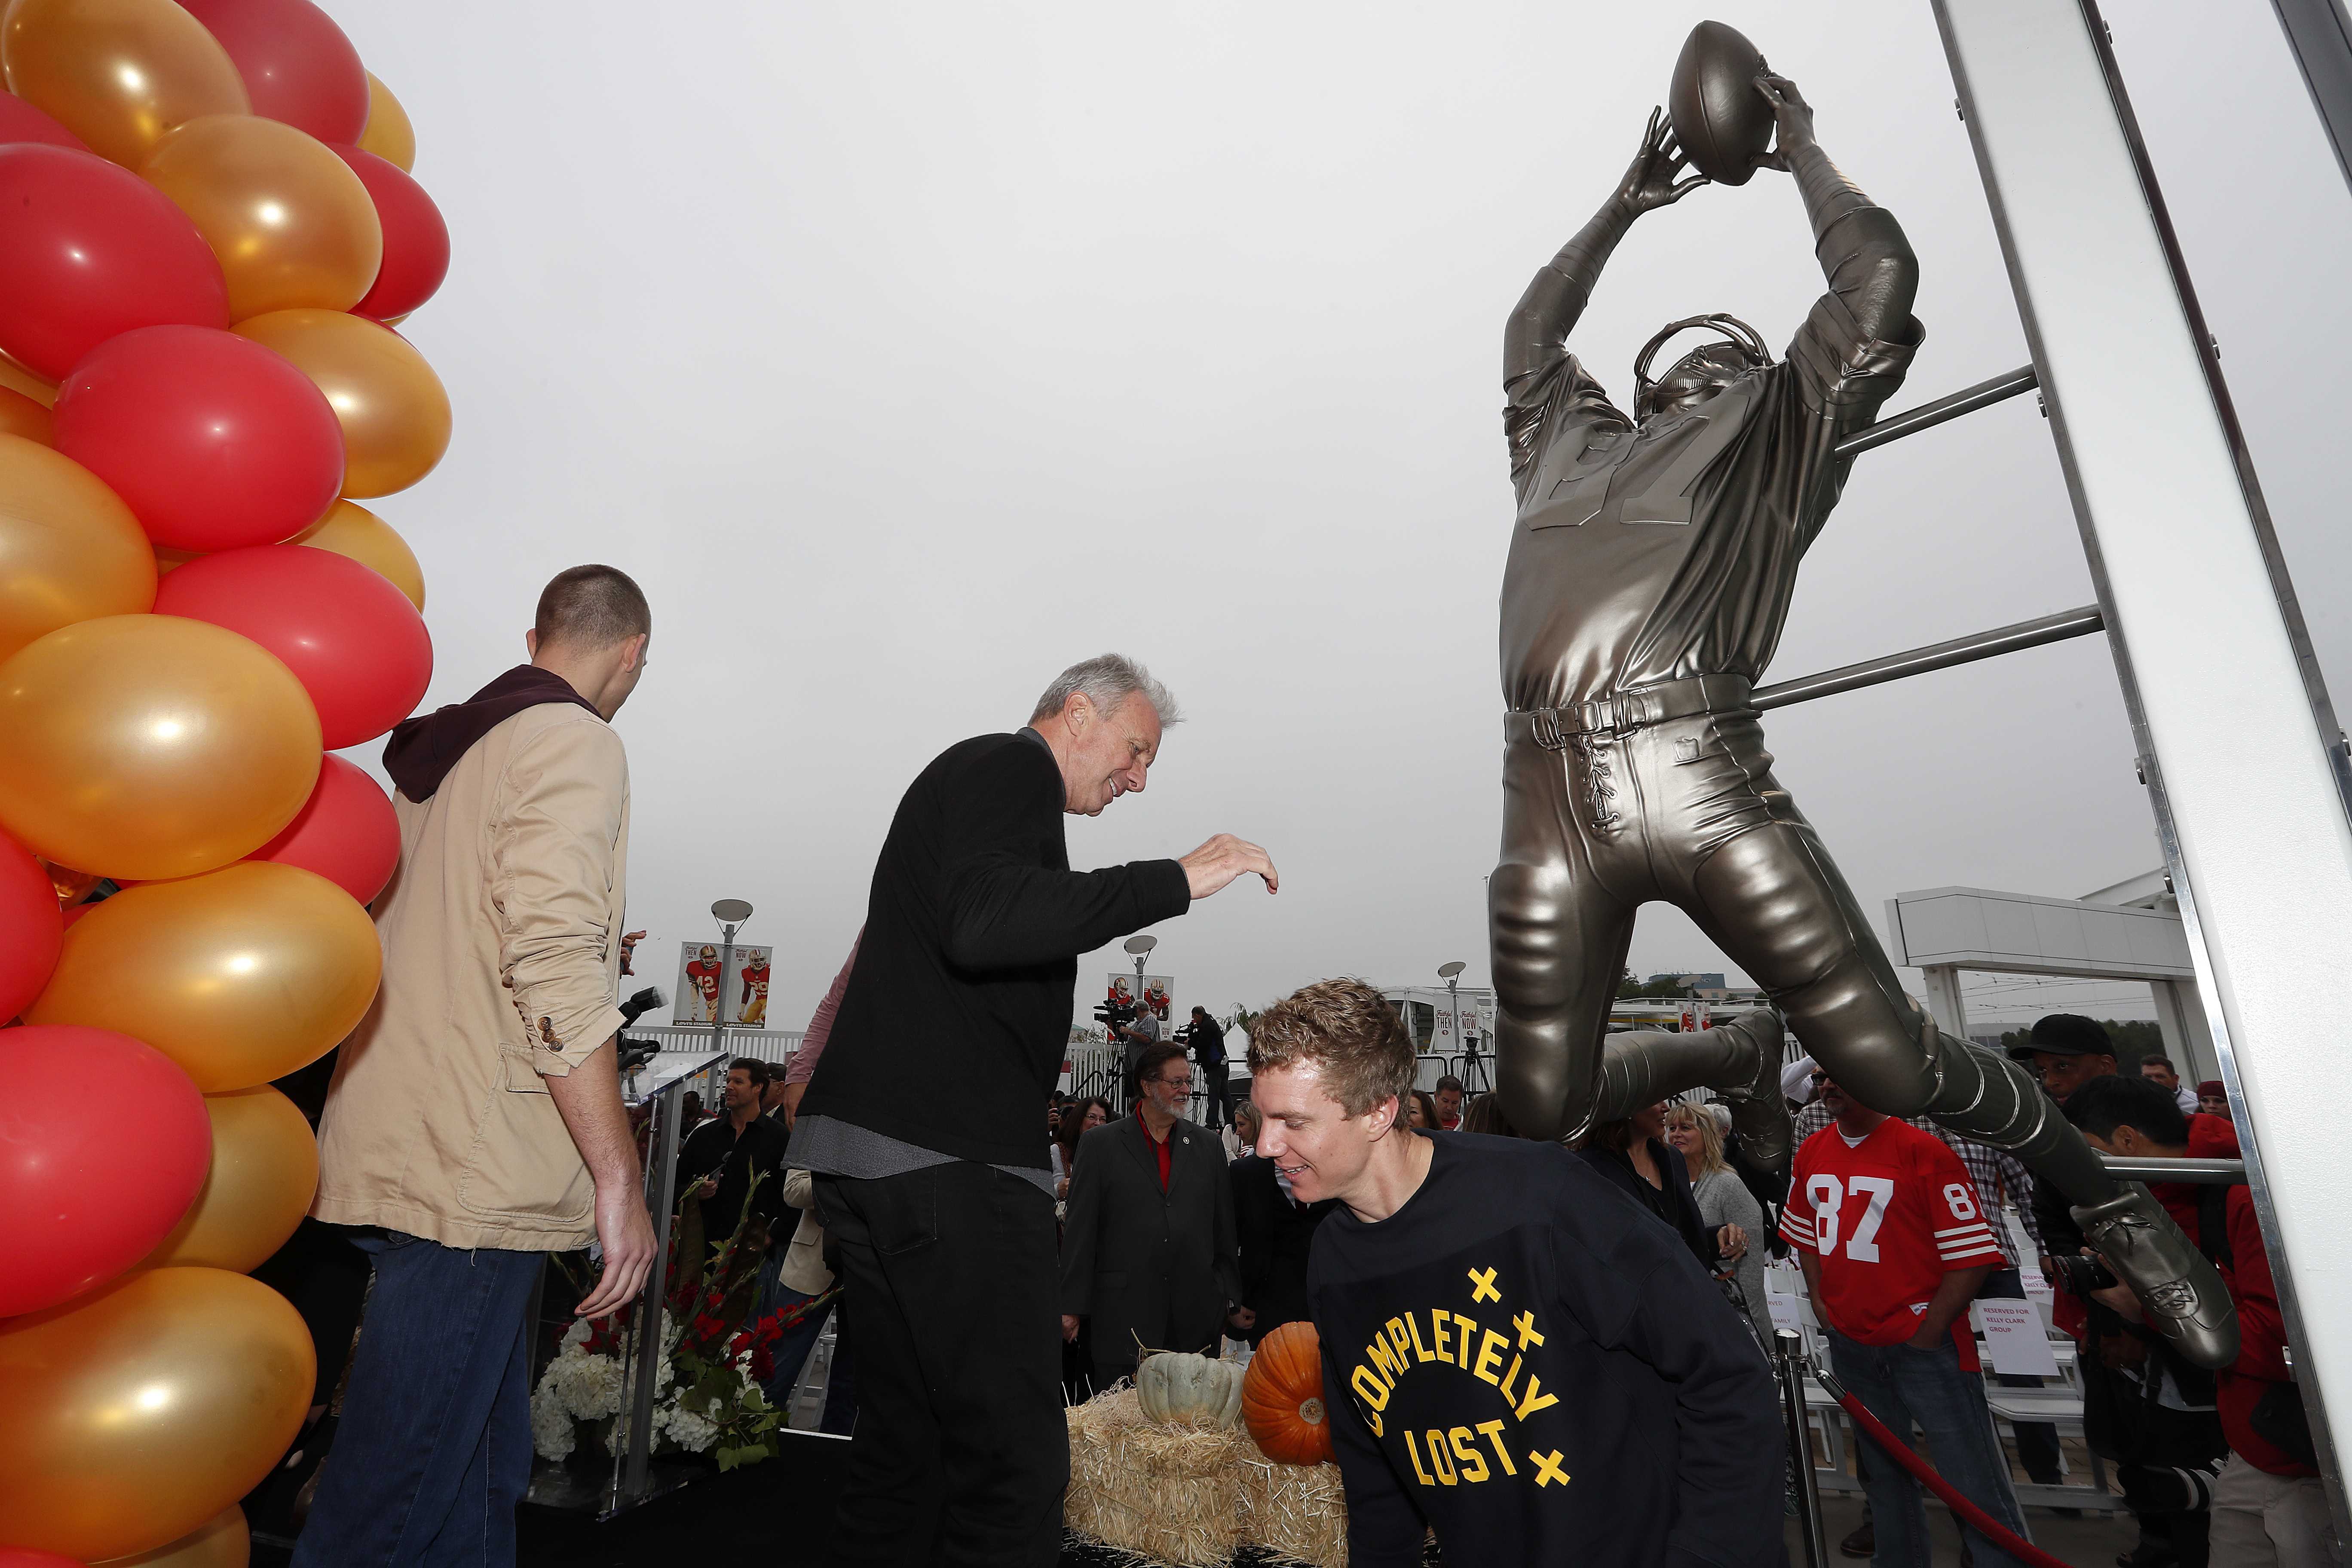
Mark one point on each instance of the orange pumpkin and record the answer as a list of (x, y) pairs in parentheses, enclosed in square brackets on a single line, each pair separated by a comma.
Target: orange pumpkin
[(1282, 1397)]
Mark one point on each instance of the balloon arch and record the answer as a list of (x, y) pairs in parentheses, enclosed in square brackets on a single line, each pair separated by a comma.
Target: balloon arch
[(212, 236)]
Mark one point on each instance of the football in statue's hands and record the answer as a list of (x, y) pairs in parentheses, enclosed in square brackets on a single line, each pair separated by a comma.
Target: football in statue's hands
[(1723, 123)]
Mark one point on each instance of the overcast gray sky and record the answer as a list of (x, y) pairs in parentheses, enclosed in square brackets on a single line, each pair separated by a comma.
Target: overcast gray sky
[(907, 353)]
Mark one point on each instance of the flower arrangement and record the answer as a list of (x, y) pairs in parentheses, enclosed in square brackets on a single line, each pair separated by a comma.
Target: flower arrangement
[(707, 1392)]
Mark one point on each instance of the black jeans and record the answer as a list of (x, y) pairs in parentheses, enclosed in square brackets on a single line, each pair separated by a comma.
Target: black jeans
[(961, 1452)]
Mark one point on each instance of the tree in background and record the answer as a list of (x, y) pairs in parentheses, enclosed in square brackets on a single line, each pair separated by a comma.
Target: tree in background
[(2132, 1037), (1663, 987)]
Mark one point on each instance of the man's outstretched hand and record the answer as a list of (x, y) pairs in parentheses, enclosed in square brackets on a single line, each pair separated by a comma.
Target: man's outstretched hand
[(1793, 119), (1225, 858), (1650, 180)]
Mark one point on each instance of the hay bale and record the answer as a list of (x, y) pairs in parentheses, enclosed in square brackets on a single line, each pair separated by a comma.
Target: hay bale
[(1297, 1513), (1168, 1493)]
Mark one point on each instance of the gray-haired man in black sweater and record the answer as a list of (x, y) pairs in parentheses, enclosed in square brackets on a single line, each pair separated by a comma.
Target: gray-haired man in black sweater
[(930, 1176)]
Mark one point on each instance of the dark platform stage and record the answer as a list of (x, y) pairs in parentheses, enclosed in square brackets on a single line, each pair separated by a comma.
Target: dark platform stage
[(781, 1511)]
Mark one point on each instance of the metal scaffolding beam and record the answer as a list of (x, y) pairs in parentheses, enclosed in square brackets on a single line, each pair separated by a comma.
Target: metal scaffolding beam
[(2238, 742), (1968, 400), (2066, 624)]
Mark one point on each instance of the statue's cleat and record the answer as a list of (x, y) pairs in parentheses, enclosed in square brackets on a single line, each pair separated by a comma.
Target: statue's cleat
[(2179, 1290), (1759, 1113)]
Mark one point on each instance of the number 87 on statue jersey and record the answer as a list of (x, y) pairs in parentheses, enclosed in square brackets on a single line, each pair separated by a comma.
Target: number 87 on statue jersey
[(1887, 1219)]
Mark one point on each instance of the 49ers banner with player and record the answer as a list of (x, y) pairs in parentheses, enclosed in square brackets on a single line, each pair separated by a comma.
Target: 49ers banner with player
[(701, 982), (746, 997), (713, 987)]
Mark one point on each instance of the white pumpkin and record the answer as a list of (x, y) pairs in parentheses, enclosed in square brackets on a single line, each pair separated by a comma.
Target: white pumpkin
[(1176, 1388)]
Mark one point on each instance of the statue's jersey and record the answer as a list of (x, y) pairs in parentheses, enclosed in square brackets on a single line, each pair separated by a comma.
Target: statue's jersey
[(1669, 550)]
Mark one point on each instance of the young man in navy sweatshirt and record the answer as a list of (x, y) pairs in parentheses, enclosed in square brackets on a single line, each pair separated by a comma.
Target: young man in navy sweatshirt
[(1514, 1351)]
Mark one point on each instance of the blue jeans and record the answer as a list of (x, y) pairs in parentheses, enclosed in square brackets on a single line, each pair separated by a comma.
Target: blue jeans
[(433, 1450), (1901, 1386), (790, 1351)]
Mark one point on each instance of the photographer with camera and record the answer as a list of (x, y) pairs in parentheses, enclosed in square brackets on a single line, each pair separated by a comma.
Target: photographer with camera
[(2144, 1408), (2165, 1423), (1141, 1029), (1205, 1038)]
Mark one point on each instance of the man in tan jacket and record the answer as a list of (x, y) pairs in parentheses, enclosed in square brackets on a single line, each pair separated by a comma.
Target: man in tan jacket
[(474, 1122)]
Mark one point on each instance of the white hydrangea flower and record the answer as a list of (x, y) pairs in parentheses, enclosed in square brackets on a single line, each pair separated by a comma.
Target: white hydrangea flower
[(553, 1432), (690, 1431)]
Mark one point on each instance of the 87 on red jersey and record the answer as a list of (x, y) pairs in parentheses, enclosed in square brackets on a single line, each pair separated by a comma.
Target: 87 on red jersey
[(1828, 1195)]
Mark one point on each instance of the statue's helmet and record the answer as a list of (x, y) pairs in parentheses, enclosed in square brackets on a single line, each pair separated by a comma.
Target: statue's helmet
[(1706, 370)]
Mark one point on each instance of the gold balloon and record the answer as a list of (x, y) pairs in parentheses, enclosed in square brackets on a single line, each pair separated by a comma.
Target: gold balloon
[(141, 747), (240, 975), (395, 415), (350, 529), (120, 74), (137, 1413), (265, 1170), (223, 1543), (69, 551), (18, 379), (20, 416), (388, 134), (290, 223)]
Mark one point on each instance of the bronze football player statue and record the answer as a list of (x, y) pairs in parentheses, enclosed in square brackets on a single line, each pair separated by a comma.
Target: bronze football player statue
[(1649, 571)]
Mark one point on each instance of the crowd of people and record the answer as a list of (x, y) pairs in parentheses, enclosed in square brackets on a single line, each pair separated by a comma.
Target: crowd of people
[(1600, 1308), (1897, 1226)]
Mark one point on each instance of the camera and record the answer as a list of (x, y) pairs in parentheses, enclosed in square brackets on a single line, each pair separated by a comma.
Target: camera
[(634, 1054), (1115, 1015), (2084, 1275)]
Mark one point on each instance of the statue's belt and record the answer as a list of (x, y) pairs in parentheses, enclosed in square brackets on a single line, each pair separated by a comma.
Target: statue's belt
[(1553, 728)]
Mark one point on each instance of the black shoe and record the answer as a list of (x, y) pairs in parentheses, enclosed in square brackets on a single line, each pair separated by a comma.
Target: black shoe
[(1863, 1543)]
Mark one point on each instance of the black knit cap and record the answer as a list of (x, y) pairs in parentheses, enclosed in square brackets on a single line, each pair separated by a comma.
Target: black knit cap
[(2066, 1035)]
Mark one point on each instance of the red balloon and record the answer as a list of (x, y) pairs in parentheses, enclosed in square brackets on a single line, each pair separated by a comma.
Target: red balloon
[(354, 641), (30, 928), (25, 1556), (92, 250), (20, 122), (104, 1142), (212, 440), (346, 833), (416, 240), (297, 64)]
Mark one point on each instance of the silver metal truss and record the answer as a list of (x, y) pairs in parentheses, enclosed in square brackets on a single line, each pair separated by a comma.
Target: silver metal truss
[(2320, 34), (2238, 742), (2066, 624)]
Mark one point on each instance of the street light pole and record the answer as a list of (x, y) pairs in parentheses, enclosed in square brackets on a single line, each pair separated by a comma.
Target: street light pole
[(1450, 973), (731, 915), (1140, 946)]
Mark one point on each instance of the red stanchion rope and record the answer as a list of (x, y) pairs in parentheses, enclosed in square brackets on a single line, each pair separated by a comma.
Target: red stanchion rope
[(1999, 1535)]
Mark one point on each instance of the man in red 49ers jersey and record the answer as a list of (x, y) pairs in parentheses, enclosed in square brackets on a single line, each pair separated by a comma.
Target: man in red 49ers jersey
[(1895, 1242)]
